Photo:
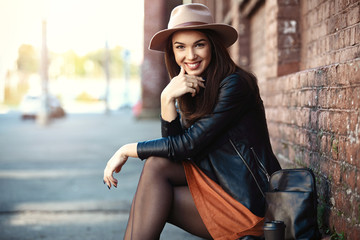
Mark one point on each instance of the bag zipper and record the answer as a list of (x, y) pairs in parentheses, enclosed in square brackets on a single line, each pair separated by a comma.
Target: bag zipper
[(241, 157), (262, 167)]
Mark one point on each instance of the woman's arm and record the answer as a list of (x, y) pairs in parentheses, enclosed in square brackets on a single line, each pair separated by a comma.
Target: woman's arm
[(177, 87), (235, 98), (117, 161)]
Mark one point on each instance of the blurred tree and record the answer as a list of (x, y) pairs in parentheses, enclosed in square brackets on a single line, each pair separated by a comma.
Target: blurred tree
[(28, 59), (91, 65)]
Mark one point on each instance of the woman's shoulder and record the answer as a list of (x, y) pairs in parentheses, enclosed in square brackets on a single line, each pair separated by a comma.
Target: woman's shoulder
[(234, 80)]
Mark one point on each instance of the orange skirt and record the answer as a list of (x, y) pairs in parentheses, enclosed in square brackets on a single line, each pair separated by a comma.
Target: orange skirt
[(224, 217)]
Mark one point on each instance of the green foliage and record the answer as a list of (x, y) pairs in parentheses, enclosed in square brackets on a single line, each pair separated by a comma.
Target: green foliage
[(321, 211), (336, 236), (70, 65), (92, 64), (335, 146), (28, 59), (85, 97)]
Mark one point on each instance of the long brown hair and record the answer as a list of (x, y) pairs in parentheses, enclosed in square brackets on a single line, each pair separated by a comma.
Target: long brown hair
[(221, 65)]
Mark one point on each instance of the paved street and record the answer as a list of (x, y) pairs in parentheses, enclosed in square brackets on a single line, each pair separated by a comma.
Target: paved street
[(51, 177)]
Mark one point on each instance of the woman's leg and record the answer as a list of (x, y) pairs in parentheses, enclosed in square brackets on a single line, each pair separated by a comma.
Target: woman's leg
[(185, 215), (160, 194)]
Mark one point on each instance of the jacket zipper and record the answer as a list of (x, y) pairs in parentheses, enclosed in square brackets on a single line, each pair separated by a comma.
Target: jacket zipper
[(262, 167), (241, 157)]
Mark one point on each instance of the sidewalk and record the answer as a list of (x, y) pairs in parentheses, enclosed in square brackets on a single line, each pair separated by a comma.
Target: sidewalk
[(51, 177)]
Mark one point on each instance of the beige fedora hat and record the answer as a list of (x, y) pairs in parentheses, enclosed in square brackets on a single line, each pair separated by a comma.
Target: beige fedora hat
[(192, 16)]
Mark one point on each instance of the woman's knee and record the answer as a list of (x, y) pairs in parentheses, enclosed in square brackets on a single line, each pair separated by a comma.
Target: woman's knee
[(164, 168), (156, 165)]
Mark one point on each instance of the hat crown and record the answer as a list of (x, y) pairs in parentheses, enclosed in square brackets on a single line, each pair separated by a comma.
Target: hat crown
[(190, 13)]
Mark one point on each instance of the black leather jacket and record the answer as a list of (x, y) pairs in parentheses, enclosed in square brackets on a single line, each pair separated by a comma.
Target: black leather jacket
[(231, 145)]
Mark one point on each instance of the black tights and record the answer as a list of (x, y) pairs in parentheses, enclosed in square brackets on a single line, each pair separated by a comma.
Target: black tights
[(163, 196)]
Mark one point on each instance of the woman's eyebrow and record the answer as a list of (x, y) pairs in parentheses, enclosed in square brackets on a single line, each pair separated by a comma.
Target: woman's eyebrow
[(200, 40)]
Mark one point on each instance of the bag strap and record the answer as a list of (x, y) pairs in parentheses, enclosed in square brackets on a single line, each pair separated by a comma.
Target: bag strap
[(260, 165)]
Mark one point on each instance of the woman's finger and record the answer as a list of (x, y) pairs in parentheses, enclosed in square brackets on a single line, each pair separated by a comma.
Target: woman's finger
[(182, 71), (109, 180)]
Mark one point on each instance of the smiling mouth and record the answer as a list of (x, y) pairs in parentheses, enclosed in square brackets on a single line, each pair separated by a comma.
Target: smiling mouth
[(193, 66)]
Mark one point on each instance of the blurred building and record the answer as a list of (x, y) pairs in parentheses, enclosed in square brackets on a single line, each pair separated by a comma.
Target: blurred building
[(154, 76), (306, 55)]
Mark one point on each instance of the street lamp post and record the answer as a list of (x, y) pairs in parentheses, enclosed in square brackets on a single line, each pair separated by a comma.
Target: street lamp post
[(43, 117), (107, 76)]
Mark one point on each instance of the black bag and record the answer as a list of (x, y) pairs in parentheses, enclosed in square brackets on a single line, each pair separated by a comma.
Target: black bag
[(292, 198)]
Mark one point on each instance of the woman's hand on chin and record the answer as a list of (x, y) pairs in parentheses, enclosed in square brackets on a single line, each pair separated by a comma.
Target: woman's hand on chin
[(182, 84)]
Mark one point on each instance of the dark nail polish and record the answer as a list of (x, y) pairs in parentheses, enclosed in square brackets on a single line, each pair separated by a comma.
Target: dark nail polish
[(108, 187), (103, 181), (115, 186)]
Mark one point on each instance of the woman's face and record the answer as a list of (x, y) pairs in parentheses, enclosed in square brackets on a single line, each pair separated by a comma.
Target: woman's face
[(192, 50)]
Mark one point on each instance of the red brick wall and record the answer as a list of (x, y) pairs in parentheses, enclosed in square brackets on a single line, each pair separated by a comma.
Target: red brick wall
[(309, 75), (330, 32), (313, 114), (314, 122)]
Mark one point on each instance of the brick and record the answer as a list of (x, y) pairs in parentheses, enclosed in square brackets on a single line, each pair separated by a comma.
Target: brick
[(324, 169), (311, 77), (334, 45), (340, 98), (295, 81), (353, 37), (336, 125), (357, 32), (347, 37), (302, 138), (288, 67), (324, 144), (303, 79), (353, 16), (342, 202), (350, 179), (342, 76), (341, 39), (349, 54), (331, 24), (336, 173), (332, 7), (324, 121), (325, 9), (353, 127), (352, 232), (320, 77), (289, 12), (352, 153), (327, 46), (355, 101)]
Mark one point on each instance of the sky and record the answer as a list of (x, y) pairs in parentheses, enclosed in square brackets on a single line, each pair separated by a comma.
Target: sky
[(80, 25)]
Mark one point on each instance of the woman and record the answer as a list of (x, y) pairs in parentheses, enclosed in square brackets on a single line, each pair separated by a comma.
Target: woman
[(207, 173)]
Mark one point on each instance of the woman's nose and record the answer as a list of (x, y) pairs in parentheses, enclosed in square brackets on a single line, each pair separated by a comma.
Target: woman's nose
[(190, 54)]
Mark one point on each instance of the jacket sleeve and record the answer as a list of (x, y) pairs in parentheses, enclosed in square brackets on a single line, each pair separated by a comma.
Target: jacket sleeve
[(233, 99), (171, 128)]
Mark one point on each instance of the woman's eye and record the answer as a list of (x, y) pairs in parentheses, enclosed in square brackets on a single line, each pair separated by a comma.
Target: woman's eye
[(200, 45), (179, 47)]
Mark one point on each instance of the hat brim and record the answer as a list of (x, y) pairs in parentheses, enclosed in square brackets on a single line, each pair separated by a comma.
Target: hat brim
[(227, 33)]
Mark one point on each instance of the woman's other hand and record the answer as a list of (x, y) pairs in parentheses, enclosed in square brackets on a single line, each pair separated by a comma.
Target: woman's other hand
[(178, 86), (182, 84), (117, 161)]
